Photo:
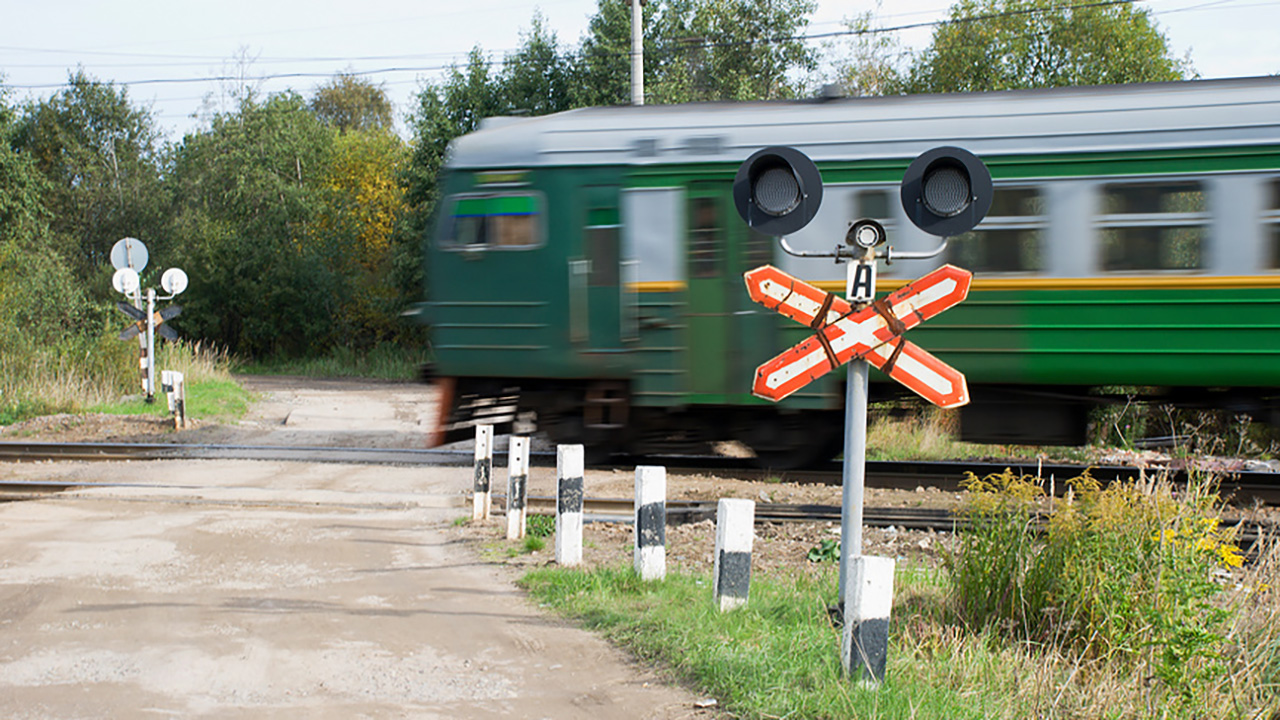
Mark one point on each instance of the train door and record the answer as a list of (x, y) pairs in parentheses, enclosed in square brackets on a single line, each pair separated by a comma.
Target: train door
[(710, 303), (601, 240), (757, 326)]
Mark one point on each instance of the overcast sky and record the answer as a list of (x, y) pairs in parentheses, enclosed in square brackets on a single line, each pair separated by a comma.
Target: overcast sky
[(169, 53)]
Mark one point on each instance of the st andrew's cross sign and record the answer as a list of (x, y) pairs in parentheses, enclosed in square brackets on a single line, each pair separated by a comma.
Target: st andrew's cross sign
[(874, 333)]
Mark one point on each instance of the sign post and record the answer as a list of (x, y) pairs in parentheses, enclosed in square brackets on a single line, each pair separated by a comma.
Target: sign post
[(853, 471), (946, 191)]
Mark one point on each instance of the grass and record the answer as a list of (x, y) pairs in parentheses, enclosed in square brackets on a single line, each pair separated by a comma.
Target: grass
[(384, 362), (212, 394), (1130, 602), (924, 432), (206, 399), (100, 377), (779, 656), (43, 380)]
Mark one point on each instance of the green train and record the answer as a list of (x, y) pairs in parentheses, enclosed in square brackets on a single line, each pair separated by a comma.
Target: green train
[(585, 270)]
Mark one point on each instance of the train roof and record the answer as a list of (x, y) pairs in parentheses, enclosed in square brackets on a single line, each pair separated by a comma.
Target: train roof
[(1199, 113)]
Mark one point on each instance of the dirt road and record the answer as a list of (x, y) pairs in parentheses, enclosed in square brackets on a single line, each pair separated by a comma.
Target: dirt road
[(237, 589)]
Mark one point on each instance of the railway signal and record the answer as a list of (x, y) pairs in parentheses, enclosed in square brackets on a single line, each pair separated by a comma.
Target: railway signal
[(945, 191), (129, 257)]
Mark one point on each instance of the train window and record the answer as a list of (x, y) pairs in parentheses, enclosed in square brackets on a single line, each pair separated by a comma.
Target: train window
[(601, 235), (1153, 226), (504, 220), (704, 237), (1009, 238), (873, 204), (1271, 218)]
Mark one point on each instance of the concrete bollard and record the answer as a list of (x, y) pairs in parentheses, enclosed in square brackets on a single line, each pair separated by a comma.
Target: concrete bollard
[(735, 533), (569, 494), (174, 386), (868, 598), (517, 486), (651, 522), (482, 500)]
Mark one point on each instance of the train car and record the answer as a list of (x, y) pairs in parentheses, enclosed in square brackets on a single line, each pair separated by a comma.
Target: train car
[(585, 270)]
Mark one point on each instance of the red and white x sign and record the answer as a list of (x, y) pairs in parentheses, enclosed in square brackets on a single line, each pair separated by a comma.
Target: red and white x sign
[(874, 333)]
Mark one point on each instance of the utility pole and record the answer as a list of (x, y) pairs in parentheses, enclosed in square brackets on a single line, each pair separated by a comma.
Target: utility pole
[(637, 53)]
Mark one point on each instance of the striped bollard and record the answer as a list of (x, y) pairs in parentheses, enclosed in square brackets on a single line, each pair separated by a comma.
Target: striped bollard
[(482, 500), (569, 492), (651, 522), (517, 486), (868, 598), (735, 531)]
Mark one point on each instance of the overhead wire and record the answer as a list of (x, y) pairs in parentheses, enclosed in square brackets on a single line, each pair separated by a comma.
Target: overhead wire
[(498, 61)]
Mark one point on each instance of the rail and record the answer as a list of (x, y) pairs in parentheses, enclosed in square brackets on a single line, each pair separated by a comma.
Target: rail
[(1242, 487)]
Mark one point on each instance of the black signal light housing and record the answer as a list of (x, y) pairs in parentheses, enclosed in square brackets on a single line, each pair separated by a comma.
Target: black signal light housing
[(946, 191), (777, 190)]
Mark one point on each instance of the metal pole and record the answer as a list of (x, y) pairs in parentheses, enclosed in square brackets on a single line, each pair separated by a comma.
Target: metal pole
[(853, 474), (854, 471), (151, 345), (637, 54)]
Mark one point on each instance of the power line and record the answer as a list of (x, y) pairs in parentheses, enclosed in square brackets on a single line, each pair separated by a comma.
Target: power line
[(454, 61)]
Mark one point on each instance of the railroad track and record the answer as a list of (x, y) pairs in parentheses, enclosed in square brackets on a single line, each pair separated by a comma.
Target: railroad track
[(107, 452), (682, 511), (937, 520), (1242, 487)]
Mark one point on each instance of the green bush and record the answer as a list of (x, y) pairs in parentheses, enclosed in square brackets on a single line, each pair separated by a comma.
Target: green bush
[(1123, 573)]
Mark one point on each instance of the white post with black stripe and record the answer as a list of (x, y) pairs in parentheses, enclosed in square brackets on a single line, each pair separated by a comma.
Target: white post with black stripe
[(482, 499), (735, 532), (569, 495), (868, 598), (651, 522), (173, 384), (517, 486)]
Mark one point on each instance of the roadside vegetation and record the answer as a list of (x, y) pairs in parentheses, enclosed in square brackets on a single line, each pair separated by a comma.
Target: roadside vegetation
[(101, 377), (1125, 602), (383, 362), (919, 431)]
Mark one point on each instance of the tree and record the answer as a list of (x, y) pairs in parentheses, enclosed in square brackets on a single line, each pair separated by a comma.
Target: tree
[(41, 302), (100, 158), (868, 62), (696, 50), (1010, 44), (356, 227), (731, 50), (535, 79), (601, 68), (349, 103), (247, 193), (446, 110), (23, 218)]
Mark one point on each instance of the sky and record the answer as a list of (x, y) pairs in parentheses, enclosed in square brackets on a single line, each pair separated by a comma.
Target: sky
[(170, 54)]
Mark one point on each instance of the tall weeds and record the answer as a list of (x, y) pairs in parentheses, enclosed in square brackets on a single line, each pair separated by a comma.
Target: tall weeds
[(1134, 579), (85, 372), (37, 380)]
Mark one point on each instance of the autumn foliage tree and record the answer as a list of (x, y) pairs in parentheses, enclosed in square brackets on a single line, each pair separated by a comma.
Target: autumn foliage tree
[(357, 226)]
